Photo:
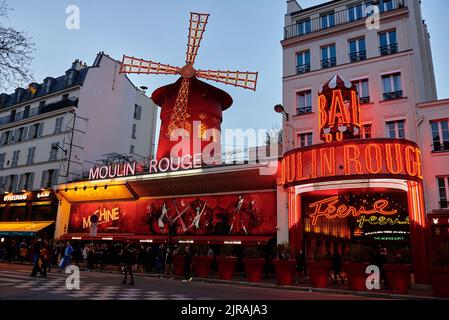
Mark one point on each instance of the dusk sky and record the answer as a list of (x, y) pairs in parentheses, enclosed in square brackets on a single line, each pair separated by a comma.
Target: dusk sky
[(241, 35)]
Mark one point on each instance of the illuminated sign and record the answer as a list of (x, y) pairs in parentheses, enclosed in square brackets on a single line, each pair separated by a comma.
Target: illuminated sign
[(43, 194), (15, 197), (375, 157), (331, 209), (382, 221), (338, 110), (104, 215), (153, 165)]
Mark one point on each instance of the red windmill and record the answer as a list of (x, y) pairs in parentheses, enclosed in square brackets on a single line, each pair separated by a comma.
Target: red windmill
[(190, 102)]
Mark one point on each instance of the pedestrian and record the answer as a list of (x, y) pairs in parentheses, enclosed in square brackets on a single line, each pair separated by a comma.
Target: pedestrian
[(128, 260), (67, 258), (85, 253), (210, 252), (43, 259), (36, 253), (141, 259), (90, 257), (168, 273), (188, 259), (301, 263), (336, 267)]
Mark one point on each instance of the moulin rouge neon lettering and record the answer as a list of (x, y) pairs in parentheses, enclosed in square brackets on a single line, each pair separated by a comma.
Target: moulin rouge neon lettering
[(330, 209)]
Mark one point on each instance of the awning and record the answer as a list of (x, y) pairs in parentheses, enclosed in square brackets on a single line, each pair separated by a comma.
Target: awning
[(23, 228)]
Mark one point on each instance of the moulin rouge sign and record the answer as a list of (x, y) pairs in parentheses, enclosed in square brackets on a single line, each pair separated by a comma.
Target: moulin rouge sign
[(343, 153), (154, 166)]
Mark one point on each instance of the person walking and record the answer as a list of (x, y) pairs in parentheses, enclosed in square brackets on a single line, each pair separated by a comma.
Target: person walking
[(336, 267), (188, 259), (168, 273), (36, 254), (67, 259), (128, 260)]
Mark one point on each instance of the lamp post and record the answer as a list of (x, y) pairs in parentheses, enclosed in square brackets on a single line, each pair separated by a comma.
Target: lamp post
[(287, 127)]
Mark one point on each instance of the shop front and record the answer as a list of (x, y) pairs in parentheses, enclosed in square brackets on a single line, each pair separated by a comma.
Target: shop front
[(28, 214), (354, 191), (224, 205)]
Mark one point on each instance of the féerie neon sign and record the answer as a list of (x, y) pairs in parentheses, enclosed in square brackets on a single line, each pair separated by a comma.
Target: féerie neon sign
[(330, 209)]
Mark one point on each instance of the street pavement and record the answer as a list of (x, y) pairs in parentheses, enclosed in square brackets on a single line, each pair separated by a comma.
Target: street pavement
[(16, 284)]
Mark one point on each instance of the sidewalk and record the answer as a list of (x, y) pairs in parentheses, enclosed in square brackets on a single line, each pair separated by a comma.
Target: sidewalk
[(417, 292)]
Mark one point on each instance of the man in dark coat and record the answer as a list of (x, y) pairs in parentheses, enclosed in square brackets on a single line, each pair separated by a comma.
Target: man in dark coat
[(129, 259), (188, 259)]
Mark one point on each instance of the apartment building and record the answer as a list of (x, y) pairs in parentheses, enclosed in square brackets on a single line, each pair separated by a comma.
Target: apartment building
[(53, 132)]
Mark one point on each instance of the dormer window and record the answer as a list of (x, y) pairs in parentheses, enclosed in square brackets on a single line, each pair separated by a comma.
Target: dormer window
[(48, 82), (19, 94), (70, 77), (3, 99)]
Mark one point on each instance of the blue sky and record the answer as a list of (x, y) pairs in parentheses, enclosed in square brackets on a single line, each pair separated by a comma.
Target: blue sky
[(241, 35)]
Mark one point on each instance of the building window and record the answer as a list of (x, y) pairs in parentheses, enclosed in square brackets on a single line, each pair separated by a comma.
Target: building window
[(2, 160), (396, 129), (30, 156), (356, 12), (11, 183), (440, 135), (443, 190), (133, 135), (388, 43), (137, 112), (357, 50), (26, 112), (41, 106), (305, 139), (362, 87), (304, 102), (303, 62), (4, 138), (54, 151), (36, 130), (26, 181), (15, 158), (366, 132), (58, 124), (386, 5), (304, 27), (328, 57), (49, 178), (392, 87), (327, 20), (131, 149)]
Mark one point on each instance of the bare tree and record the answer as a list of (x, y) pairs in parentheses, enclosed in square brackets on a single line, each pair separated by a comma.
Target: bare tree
[(274, 135), (16, 51)]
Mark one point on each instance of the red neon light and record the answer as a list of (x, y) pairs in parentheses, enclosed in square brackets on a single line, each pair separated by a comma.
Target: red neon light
[(349, 159), (338, 109)]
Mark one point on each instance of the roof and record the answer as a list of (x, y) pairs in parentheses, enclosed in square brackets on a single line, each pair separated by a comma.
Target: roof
[(58, 85), (315, 7)]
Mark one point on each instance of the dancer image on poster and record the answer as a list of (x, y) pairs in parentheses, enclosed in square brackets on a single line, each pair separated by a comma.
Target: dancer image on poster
[(237, 215)]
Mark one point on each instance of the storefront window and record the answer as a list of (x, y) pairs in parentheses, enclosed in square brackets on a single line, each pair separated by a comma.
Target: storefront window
[(43, 213), (18, 213)]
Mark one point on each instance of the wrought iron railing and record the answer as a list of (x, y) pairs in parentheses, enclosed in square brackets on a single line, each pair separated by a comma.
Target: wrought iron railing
[(303, 68), (357, 56), (393, 95), (303, 110), (389, 49), (329, 63), (341, 17)]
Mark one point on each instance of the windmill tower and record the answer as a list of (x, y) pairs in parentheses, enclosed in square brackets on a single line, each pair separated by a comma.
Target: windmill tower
[(190, 108)]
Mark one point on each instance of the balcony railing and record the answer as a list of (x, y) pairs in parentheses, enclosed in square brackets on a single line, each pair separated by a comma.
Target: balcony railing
[(38, 110), (393, 95), (357, 56), (346, 16), (328, 63), (389, 49), (365, 100), (441, 147), (303, 68), (303, 110)]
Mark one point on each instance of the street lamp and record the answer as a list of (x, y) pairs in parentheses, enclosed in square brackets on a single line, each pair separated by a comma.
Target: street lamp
[(279, 108)]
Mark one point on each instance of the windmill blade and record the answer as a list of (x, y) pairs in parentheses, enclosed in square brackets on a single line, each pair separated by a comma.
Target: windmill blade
[(140, 66), (247, 80), (197, 27)]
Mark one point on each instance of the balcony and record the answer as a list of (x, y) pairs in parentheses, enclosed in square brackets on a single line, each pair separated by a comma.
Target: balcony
[(365, 100), (393, 95), (38, 111), (329, 63), (441, 147), (308, 26), (303, 68), (303, 110), (390, 49), (357, 56)]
